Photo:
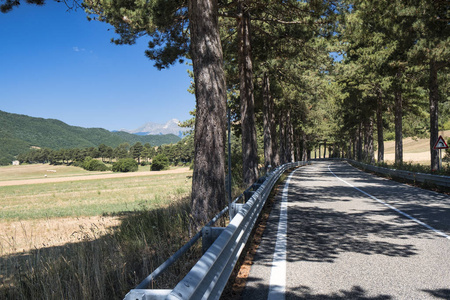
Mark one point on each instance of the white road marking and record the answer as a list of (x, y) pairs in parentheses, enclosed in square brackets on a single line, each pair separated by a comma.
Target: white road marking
[(392, 207), (277, 285)]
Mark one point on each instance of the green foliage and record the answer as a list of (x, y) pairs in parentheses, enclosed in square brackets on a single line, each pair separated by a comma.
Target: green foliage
[(125, 165), (163, 22), (447, 152), (160, 162), (91, 164), (19, 132), (181, 153), (446, 125), (4, 161)]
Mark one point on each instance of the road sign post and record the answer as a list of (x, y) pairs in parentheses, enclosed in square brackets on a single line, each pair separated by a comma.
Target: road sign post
[(439, 145)]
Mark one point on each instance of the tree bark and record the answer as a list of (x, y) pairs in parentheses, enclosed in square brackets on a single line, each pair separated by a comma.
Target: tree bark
[(398, 112), (275, 144), (249, 142), (380, 125), (282, 144), (305, 151), (360, 143), (434, 114), (208, 180), (368, 141), (298, 150), (289, 138), (268, 107)]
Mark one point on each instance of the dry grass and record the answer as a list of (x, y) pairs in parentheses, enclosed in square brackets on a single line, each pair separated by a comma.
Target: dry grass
[(91, 197), (106, 262), (414, 150), (57, 243), (23, 236), (40, 170)]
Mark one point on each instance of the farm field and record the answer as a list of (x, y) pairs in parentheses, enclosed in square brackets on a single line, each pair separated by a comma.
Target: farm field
[(414, 150), (40, 211)]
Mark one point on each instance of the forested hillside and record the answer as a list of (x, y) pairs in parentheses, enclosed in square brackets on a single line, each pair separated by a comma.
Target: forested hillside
[(19, 132)]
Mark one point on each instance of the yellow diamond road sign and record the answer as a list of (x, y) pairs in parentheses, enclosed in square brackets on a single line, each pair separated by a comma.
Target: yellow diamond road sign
[(440, 143)]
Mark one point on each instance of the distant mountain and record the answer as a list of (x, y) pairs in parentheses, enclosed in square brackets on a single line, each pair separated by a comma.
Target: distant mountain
[(150, 128), (19, 132)]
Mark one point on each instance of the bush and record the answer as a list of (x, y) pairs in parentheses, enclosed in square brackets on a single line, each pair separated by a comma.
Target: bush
[(125, 165), (91, 164), (160, 162), (4, 161)]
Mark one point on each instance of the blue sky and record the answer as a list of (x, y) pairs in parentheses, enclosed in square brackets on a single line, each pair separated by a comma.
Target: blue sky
[(56, 64)]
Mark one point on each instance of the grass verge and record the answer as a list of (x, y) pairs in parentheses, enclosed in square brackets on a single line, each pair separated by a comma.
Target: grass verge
[(103, 265)]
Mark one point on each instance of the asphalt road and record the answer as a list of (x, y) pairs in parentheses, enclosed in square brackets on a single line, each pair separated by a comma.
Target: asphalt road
[(352, 235)]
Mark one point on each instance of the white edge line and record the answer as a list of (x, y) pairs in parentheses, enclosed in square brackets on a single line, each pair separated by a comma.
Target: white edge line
[(277, 284), (392, 207)]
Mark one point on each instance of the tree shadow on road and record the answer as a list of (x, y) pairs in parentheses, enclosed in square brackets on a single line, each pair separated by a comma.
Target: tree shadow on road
[(306, 293), (439, 293), (357, 292)]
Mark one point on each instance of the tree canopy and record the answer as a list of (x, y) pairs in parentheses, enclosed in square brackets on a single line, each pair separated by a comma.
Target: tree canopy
[(301, 78)]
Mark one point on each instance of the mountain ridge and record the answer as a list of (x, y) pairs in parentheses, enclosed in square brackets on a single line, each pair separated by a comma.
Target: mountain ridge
[(152, 128), (18, 133)]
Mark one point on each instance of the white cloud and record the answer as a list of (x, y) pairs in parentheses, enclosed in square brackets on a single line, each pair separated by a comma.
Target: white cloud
[(76, 49)]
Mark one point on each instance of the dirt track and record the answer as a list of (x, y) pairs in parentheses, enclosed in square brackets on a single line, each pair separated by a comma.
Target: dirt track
[(90, 177)]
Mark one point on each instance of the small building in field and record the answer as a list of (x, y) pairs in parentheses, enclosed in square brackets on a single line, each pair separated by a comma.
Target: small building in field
[(15, 163)]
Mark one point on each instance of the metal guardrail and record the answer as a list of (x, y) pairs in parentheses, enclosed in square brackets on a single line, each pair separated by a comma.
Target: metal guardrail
[(438, 180), (209, 276)]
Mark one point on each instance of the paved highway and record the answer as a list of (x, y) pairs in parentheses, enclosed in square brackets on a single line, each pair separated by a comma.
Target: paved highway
[(339, 233)]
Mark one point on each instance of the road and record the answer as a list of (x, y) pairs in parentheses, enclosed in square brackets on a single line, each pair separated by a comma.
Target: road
[(352, 235)]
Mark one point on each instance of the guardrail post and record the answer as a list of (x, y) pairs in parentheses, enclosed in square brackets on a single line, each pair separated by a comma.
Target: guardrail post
[(248, 194), (209, 235), (140, 294), (235, 207)]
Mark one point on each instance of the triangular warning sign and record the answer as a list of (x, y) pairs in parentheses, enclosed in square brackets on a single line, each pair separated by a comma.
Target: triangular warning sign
[(440, 143)]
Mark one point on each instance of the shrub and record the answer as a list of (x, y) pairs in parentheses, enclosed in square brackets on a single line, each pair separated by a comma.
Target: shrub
[(125, 165), (4, 161), (160, 162), (91, 164)]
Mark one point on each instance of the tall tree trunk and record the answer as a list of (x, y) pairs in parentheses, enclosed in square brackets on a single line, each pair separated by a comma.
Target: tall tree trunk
[(249, 143), (434, 114), (398, 112), (268, 107), (289, 138), (324, 148), (275, 146), (208, 180), (360, 142), (320, 152), (365, 143), (298, 150), (305, 151), (380, 125), (282, 143), (369, 150), (353, 152)]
